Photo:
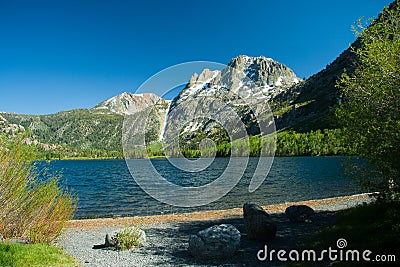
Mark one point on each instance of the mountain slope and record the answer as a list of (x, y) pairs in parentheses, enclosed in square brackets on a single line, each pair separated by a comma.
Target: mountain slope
[(99, 128), (245, 85), (81, 129), (242, 74), (311, 105), (10, 128), (126, 103)]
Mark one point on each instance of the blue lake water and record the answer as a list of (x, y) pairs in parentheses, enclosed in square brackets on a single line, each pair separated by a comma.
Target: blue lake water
[(105, 188)]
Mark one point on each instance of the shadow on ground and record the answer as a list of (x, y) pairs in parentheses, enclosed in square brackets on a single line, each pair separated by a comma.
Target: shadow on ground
[(175, 240)]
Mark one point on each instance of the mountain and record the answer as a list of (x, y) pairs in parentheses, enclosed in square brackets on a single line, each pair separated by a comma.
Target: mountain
[(270, 76), (126, 103), (94, 130), (245, 85)]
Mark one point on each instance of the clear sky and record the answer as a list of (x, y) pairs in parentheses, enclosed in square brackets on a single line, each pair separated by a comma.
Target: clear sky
[(63, 54)]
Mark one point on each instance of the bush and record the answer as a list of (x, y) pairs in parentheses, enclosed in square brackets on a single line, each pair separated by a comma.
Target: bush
[(31, 209), (130, 237)]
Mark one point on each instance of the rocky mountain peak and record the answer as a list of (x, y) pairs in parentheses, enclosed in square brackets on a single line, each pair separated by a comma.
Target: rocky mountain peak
[(265, 71), (242, 74), (198, 82), (243, 60), (127, 103), (257, 79), (204, 77)]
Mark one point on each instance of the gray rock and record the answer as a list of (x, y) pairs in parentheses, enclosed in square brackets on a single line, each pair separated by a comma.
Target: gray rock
[(111, 240), (218, 241), (257, 223), (141, 235), (300, 213)]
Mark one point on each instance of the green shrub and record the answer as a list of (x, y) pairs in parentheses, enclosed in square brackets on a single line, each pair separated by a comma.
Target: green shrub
[(130, 237), (31, 209)]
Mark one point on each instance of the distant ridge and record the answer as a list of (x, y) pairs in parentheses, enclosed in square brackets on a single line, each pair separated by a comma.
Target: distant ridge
[(127, 103)]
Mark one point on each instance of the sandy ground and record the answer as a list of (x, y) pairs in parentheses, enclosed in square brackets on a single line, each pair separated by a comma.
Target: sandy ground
[(328, 204)]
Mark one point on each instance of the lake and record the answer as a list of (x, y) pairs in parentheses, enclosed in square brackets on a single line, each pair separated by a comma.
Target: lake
[(105, 188)]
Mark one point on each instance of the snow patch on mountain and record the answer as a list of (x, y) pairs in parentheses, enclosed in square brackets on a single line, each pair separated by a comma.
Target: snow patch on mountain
[(164, 124), (246, 76)]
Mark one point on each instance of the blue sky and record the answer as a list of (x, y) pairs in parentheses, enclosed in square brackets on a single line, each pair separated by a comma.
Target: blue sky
[(61, 55)]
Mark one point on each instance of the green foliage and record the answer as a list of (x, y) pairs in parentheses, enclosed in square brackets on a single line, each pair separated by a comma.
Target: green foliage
[(313, 143), (129, 237), (327, 142), (18, 255), (155, 150), (291, 143), (32, 209), (373, 226), (370, 111)]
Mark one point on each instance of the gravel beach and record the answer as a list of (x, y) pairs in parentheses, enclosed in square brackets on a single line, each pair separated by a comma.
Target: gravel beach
[(167, 235)]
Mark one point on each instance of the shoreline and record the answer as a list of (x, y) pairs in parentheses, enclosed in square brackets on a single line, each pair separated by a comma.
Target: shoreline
[(165, 157), (326, 204)]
